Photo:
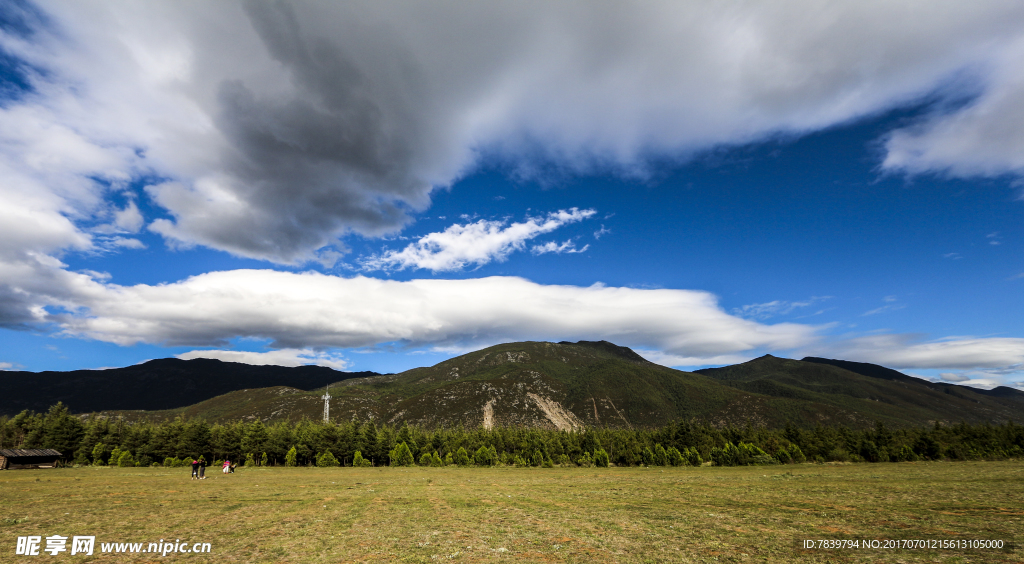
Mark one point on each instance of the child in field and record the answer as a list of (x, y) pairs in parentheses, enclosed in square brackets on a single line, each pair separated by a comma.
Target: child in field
[(227, 466)]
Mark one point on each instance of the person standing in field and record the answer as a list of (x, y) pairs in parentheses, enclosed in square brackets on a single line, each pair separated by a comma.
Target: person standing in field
[(202, 468), (227, 466), (195, 469)]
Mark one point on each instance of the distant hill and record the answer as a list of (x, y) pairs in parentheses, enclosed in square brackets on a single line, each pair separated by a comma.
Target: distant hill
[(873, 391), (572, 385), (155, 385), (875, 371)]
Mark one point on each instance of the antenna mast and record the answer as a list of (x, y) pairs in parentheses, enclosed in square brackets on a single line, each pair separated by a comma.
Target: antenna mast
[(327, 404)]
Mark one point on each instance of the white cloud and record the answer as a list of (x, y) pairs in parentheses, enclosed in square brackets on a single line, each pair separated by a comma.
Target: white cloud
[(775, 307), (129, 219), (954, 377), (908, 351), (316, 311), (689, 362), (985, 383), (282, 357), (473, 243), (127, 243), (47, 173), (982, 138), (281, 127), (6, 366), (601, 232), (765, 310), (310, 310), (126, 220), (890, 305), (553, 247)]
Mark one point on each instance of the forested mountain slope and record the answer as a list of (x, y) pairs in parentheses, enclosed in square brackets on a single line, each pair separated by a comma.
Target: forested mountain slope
[(158, 384), (598, 384)]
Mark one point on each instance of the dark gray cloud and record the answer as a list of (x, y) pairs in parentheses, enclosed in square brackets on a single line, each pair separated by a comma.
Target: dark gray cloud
[(309, 167), (283, 126), (16, 308)]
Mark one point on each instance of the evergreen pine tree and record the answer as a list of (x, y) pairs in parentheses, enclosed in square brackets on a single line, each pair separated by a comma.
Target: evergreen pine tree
[(401, 455), (125, 460), (660, 456), (291, 459), (484, 456), (61, 431), (462, 457), (255, 438), (586, 461), (326, 459), (358, 460)]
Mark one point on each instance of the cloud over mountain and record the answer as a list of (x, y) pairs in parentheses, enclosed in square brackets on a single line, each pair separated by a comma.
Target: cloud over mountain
[(910, 351), (277, 130), (282, 357), (310, 310)]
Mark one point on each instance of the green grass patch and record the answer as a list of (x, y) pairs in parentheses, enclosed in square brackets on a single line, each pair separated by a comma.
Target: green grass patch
[(741, 514)]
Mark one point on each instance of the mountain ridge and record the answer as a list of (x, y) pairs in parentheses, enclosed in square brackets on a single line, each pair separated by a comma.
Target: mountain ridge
[(599, 384), (158, 384), (562, 385)]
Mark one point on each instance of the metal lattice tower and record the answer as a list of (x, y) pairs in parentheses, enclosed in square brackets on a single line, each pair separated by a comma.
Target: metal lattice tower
[(327, 404)]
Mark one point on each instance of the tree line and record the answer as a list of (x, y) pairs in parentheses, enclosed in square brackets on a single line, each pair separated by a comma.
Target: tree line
[(98, 439)]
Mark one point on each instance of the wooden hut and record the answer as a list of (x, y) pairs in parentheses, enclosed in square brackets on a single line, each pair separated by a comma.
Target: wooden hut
[(23, 459)]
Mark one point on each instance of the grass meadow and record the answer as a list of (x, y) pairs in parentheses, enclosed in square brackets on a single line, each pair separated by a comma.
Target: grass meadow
[(706, 514)]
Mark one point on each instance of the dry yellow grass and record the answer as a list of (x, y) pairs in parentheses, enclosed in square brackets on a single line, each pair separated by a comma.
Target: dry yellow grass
[(749, 514)]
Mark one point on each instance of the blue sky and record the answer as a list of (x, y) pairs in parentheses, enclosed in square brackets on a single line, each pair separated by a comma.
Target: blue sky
[(348, 186)]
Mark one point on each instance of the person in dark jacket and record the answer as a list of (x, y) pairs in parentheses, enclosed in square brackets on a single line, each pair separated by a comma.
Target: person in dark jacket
[(202, 468), (195, 469)]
